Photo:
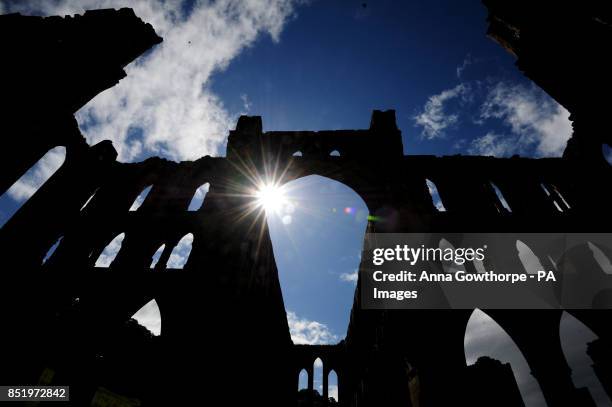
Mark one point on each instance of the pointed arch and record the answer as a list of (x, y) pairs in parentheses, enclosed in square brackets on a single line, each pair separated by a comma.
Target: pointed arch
[(149, 316), (485, 337), (157, 255), (332, 385), (435, 196), (303, 380), (575, 337), (531, 262), (198, 197), (323, 220), (501, 199), (52, 249), (140, 198), (180, 253), (317, 368), (110, 251)]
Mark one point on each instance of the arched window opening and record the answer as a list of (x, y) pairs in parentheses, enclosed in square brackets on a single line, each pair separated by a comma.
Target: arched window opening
[(332, 385), (297, 154), (140, 198), (30, 182), (502, 200), (485, 338), (435, 196), (157, 255), (303, 380), (607, 153), (575, 337), (318, 376), (110, 251), (531, 262), (335, 153), (149, 317), (601, 258), (323, 221), (180, 253), (560, 195), (555, 195), (88, 200), (52, 250), (198, 197)]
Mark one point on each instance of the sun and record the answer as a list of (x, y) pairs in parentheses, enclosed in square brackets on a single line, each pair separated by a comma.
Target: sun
[(271, 197)]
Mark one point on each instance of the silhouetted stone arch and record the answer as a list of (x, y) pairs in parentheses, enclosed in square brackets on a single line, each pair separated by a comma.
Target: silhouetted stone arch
[(296, 219), (555, 195), (198, 197), (110, 251), (435, 196), (149, 316), (156, 256), (181, 252), (140, 198), (531, 262), (302, 380), (575, 340), (502, 204), (483, 329), (332, 377)]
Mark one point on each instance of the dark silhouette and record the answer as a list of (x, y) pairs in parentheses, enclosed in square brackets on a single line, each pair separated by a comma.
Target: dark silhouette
[(224, 327)]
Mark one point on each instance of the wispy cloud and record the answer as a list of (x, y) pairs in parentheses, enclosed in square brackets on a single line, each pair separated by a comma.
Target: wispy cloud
[(166, 98), (307, 332), (350, 277), (467, 61), (435, 119)]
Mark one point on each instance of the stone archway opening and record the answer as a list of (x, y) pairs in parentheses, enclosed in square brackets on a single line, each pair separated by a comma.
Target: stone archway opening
[(484, 337), (317, 234)]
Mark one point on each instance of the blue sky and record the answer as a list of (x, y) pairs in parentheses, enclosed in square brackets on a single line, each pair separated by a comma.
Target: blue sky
[(310, 65)]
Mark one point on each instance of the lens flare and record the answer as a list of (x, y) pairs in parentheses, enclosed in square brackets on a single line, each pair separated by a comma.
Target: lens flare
[(271, 197)]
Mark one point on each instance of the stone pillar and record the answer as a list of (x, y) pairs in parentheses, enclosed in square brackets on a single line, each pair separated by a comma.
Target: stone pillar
[(325, 383)]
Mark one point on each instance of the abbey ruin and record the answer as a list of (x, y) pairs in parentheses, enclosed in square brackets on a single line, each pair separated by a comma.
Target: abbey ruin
[(69, 317)]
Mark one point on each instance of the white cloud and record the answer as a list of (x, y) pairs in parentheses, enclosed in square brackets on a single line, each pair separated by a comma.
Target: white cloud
[(110, 251), (350, 277), (306, 332), (167, 94), (467, 61), (333, 391), (149, 317), (36, 176), (535, 121), (493, 144), (180, 253), (434, 119), (484, 337)]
